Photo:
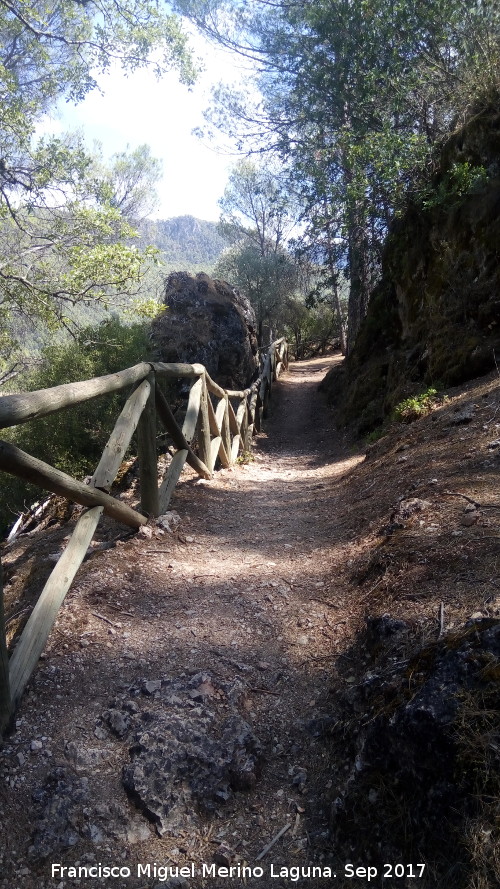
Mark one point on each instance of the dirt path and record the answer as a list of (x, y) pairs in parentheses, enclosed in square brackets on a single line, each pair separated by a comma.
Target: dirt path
[(243, 593), (210, 670)]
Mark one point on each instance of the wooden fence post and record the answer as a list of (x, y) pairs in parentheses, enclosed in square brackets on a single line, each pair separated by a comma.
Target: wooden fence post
[(148, 460), (265, 393), (203, 428), (5, 699), (258, 412), (226, 431), (246, 440)]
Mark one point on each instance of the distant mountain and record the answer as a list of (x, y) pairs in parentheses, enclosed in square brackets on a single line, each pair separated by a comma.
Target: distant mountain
[(186, 243)]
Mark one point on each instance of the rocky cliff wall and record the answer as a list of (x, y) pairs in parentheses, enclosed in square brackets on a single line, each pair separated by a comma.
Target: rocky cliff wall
[(434, 318)]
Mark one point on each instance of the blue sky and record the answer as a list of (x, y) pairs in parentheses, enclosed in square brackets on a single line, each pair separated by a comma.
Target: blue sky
[(137, 109)]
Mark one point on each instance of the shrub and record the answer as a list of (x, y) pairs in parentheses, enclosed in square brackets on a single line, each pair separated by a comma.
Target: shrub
[(73, 440), (460, 180), (415, 406)]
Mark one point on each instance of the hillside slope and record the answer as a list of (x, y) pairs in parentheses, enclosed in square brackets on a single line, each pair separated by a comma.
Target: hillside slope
[(185, 243)]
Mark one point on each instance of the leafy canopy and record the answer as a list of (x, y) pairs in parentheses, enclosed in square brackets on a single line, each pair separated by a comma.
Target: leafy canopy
[(258, 216), (64, 219), (354, 96)]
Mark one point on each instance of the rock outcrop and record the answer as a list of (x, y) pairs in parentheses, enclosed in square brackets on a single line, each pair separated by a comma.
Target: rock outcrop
[(188, 751), (419, 732), (188, 756), (209, 322), (434, 318)]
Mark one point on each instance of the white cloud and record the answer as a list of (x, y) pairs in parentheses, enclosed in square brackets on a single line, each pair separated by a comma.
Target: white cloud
[(138, 109)]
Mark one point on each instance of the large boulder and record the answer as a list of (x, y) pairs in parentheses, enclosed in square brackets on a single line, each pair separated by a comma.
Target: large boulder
[(209, 322)]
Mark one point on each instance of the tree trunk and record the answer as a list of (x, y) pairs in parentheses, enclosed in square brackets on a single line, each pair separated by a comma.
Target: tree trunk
[(342, 327), (359, 278), (334, 276), (357, 240)]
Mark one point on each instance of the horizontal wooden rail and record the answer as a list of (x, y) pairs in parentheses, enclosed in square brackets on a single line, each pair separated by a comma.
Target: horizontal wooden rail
[(217, 422), (26, 406), (177, 371), (18, 462), (214, 388)]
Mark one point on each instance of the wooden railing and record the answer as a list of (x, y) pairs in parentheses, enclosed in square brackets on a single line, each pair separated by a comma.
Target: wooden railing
[(303, 349), (218, 424)]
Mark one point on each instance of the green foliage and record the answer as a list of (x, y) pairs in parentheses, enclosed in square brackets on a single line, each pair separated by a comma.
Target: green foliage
[(258, 205), (458, 181), (267, 280), (245, 458), (66, 239), (128, 183), (310, 327), (415, 406), (375, 435), (73, 440), (64, 218), (258, 217), (183, 242), (355, 98), (54, 259), (57, 48)]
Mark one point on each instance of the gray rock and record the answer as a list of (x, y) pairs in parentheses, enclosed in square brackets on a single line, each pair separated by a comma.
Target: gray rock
[(186, 760), (100, 733), (407, 508), (118, 722), (407, 738), (179, 770), (113, 822), (211, 323), (463, 416), (67, 812), (299, 779), (201, 687), (469, 519), (169, 520), (151, 685), (84, 758), (380, 629), (60, 802)]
